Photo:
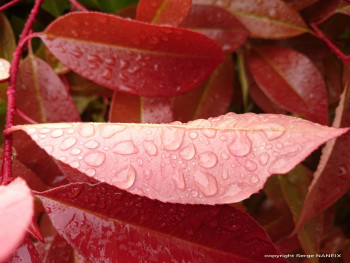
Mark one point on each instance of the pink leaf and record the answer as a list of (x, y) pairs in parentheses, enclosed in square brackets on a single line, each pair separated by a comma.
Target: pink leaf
[(145, 60), (16, 210), (166, 12), (26, 252), (290, 80), (219, 160), (136, 229)]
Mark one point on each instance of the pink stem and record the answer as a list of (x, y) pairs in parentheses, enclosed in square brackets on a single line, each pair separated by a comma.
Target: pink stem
[(25, 117), (9, 4), (78, 6), (6, 169), (330, 44)]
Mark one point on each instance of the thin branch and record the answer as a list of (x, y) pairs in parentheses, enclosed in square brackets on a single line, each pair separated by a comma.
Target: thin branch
[(9, 4), (78, 6), (6, 169)]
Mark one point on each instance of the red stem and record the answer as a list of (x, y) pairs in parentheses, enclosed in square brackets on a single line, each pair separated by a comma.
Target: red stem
[(9, 4), (25, 117), (78, 6), (6, 169), (334, 48)]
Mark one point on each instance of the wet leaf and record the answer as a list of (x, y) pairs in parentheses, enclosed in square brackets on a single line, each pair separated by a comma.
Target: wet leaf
[(130, 108), (290, 80), (145, 60), (332, 177), (273, 19), (218, 24), (321, 10), (41, 95), (300, 4), (210, 99), (16, 209), (219, 160), (166, 12), (131, 228), (26, 252)]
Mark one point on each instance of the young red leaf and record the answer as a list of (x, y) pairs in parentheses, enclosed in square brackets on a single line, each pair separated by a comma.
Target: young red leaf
[(133, 229), (219, 160), (321, 10), (210, 99), (16, 210), (273, 19), (26, 252), (218, 24), (147, 60), (344, 8), (300, 4), (166, 12), (332, 177), (290, 80), (131, 108), (41, 95)]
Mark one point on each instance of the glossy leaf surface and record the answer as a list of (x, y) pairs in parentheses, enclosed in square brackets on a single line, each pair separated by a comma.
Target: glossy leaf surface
[(166, 12), (16, 210), (130, 108), (219, 160), (218, 24), (291, 81), (210, 99), (273, 19), (145, 60), (332, 177), (41, 95), (131, 228)]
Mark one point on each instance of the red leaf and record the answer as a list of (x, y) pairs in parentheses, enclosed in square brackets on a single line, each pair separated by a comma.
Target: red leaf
[(344, 8), (26, 252), (220, 160), (321, 10), (218, 24), (41, 94), (291, 81), (332, 177), (210, 99), (16, 210), (134, 229), (166, 12), (147, 60), (130, 108), (273, 19), (300, 4)]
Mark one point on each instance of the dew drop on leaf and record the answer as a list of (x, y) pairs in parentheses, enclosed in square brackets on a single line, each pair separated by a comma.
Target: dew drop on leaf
[(95, 159), (125, 147), (207, 159), (264, 158), (68, 143), (74, 164), (150, 148), (75, 151), (107, 131), (76, 190), (56, 133), (251, 165), (241, 145), (188, 152), (178, 179), (206, 183), (86, 130), (343, 172), (125, 177), (193, 135), (90, 172), (107, 74), (92, 144), (172, 138)]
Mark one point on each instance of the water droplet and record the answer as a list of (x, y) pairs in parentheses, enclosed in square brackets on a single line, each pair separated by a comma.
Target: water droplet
[(123, 64), (194, 193), (254, 179), (224, 156), (209, 133), (273, 13), (86, 130), (153, 40), (127, 89), (206, 183), (250, 165), (43, 131), (122, 76), (75, 151), (67, 143), (241, 145), (224, 174), (74, 164), (93, 58), (90, 172), (264, 158), (272, 131), (139, 162), (150, 148), (172, 138), (343, 172), (76, 53), (125, 177), (231, 227), (125, 147), (178, 179), (31, 131), (95, 158), (56, 133), (107, 74), (110, 61), (108, 130), (188, 152), (148, 174), (92, 144), (207, 159), (193, 135), (134, 69)]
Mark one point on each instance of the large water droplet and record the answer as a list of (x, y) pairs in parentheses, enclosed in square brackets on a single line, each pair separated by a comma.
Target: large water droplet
[(178, 179), (75, 191), (67, 143), (93, 58), (172, 138), (107, 73), (123, 64), (264, 158), (209, 133), (125, 147), (250, 165), (86, 130), (206, 183), (188, 152), (95, 159), (254, 179), (241, 145), (193, 135), (107, 130), (56, 133), (92, 144), (110, 61), (207, 159), (150, 147), (272, 131), (74, 164), (90, 172), (125, 177)]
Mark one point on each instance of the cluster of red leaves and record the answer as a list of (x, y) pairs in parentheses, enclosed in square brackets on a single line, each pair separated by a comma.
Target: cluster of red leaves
[(142, 189)]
